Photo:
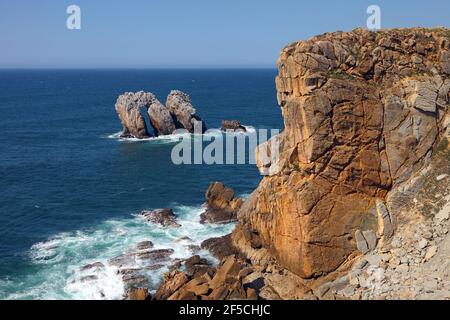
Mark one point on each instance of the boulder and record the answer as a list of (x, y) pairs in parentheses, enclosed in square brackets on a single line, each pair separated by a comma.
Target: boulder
[(183, 112), (163, 217), (138, 294), (147, 258), (223, 282), (232, 125), (171, 283), (221, 205), (196, 266), (220, 247), (155, 256), (135, 280), (229, 268)]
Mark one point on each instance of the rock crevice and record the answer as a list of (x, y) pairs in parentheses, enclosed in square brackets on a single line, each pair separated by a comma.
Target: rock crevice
[(363, 112)]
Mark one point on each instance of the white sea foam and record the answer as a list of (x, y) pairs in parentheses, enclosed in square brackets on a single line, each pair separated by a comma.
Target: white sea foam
[(59, 260), (173, 138)]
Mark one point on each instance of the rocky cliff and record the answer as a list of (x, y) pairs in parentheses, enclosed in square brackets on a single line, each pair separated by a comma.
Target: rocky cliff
[(363, 112)]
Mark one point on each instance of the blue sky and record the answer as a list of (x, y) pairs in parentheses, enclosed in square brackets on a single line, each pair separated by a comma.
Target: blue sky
[(185, 33)]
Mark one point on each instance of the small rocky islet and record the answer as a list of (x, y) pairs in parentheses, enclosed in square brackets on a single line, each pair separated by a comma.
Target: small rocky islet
[(357, 204), (134, 107)]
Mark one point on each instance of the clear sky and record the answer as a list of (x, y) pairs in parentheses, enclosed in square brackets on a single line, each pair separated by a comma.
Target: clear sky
[(185, 33)]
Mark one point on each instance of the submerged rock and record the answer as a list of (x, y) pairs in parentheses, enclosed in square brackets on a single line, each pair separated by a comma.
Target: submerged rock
[(93, 266), (144, 245), (232, 125), (171, 283), (154, 256), (218, 283), (133, 280), (163, 217)]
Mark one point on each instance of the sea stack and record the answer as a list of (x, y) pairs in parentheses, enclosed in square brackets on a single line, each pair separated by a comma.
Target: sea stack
[(128, 108), (184, 113), (133, 108)]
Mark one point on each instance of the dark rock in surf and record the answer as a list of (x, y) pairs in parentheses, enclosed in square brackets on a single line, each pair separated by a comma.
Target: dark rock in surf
[(163, 217), (144, 245), (93, 266), (155, 256), (232, 125), (220, 247)]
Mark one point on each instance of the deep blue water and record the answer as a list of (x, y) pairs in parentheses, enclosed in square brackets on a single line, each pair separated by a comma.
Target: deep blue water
[(68, 191)]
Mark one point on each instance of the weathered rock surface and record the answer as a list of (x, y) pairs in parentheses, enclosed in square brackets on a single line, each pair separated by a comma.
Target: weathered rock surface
[(184, 113), (363, 111), (223, 282), (232, 125), (221, 204), (163, 217), (93, 266), (138, 294), (160, 118), (414, 264), (220, 247), (128, 108), (196, 266), (133, 108), (356, 206)]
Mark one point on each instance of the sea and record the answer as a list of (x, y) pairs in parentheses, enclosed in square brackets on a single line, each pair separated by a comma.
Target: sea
[(71, 189)]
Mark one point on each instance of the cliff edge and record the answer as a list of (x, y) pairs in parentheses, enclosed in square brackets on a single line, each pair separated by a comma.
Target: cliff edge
[(363, 112), (357, 204)]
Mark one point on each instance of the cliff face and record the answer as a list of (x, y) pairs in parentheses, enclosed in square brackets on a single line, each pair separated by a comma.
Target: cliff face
[(363, 111)]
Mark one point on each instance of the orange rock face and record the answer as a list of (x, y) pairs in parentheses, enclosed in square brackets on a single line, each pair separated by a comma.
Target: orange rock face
[(362, 112)]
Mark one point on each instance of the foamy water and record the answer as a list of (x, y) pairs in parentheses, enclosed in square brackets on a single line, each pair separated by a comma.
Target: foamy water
[(174, 138), (70, 186), (64, 255)]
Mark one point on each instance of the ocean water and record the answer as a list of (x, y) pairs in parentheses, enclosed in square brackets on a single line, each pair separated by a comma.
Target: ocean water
[(71, 191)]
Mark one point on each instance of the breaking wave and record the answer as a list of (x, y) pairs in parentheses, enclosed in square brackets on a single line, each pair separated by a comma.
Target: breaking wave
[(173, 138), (78, 265)]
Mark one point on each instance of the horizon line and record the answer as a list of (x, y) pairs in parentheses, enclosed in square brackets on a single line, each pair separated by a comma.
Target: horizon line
[(141, 68)]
